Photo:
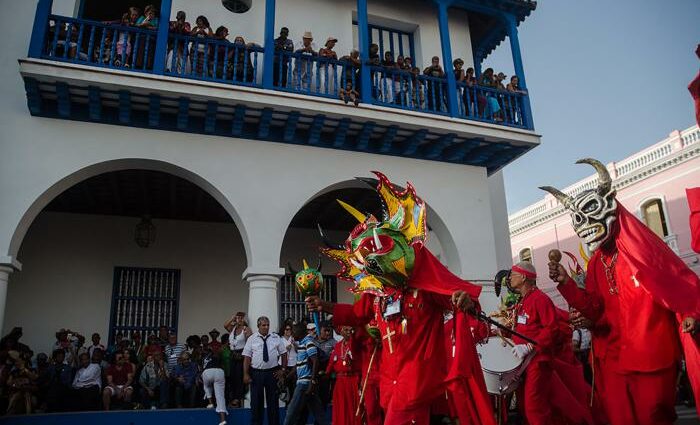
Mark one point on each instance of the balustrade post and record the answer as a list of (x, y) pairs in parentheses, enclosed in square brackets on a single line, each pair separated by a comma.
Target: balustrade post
[(269, 55), (41, 24), (452, 105), (162, 37), (363, 39), (512, 25)]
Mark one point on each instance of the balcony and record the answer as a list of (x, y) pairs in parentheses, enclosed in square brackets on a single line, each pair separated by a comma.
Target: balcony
[(88, 70)]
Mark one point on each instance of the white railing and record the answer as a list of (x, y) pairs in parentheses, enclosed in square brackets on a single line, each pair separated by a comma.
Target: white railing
[(666, 148)]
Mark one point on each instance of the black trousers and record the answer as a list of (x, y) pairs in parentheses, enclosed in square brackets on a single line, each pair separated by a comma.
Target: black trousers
[(264, 387)]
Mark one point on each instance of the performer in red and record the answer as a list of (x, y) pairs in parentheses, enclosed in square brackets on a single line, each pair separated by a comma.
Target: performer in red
[(693, 196), (370, 364), (638, 294), (405, 289), (346, 368), (694, 89)]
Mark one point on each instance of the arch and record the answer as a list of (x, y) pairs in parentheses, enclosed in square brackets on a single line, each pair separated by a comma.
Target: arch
[(652, 212), (118, 165), (525, 254), (437, 225)]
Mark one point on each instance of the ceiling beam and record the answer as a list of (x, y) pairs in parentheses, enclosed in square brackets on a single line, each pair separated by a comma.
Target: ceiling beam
[(435, 149), (183, 113), (315, 129), (411, 144), (290, 126), (238, 121), (210, 119), (341, 133), (31, 86), (365, 134), (94, 103), (154, 110), (63, 99), (388, 138), (124, 107), (264, 125)]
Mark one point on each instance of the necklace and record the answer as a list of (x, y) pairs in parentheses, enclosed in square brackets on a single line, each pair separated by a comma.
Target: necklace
[(345, 353), (610, 273)]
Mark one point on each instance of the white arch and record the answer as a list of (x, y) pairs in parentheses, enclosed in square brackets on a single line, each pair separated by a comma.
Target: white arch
[(449, 247), (85, 173)]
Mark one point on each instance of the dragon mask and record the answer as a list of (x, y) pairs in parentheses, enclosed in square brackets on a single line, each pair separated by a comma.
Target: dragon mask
[(594, 211), (380, 254)]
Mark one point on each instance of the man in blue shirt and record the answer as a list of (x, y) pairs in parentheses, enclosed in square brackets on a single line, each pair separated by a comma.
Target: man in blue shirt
[(305, 394)]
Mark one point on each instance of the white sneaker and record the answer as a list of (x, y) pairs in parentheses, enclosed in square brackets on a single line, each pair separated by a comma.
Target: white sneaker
[(153, 407), (210, 406), (222, 423)]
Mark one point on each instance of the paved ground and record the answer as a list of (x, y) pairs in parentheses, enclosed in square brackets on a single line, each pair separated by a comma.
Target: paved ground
[(687, 416)]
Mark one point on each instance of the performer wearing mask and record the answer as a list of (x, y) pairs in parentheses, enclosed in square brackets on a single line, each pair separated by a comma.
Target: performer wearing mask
[(641, 299)]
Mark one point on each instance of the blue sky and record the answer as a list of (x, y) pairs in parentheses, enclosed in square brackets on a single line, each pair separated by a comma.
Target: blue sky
[(606, 78)]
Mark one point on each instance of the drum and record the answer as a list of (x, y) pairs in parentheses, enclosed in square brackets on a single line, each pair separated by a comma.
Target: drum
[(501, 368)]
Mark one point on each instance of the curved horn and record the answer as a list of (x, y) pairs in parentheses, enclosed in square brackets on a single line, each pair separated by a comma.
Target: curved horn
[(604, 180), (319, 264), (328, 242), (290, 269), (353, 211), (562, 197)]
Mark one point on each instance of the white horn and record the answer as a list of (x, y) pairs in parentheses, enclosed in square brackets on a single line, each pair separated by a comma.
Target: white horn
[(377, 243)]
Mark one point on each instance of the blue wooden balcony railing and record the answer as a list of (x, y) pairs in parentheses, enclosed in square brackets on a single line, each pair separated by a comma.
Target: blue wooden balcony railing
[(115, 46)]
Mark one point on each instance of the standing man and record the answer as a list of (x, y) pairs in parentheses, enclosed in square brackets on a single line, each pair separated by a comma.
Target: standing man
[(325, 344), (305, 393), (283, 46), (536, 318), (638, 295), (261, 360)]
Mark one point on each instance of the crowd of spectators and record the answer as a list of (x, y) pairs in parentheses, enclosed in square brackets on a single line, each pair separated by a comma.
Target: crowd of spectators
[(198, 50), (162, 372)]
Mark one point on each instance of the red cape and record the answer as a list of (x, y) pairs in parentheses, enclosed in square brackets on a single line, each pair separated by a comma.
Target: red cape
[(465, 377), (666, 278), (693, 196)]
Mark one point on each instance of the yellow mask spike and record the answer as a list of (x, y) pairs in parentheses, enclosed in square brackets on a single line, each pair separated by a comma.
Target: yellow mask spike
[(355, 213), (306, 266)]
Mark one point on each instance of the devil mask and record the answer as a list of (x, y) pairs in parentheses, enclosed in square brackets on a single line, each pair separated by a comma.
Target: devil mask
[(593, 211), (380, 254), (309, 280)]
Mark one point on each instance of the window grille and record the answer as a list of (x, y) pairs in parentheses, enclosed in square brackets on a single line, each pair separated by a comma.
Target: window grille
[(391, 40), (143, 300), (292, 303)]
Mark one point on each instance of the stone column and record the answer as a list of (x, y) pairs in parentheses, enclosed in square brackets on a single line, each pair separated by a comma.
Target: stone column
[(4, 277), (263, 294)]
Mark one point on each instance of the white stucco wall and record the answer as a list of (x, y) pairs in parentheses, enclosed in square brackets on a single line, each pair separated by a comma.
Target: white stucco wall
[(261, 184)]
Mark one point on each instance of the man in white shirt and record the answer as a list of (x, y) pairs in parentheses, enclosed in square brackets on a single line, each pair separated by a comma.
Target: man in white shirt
[(261, 359), (581, 342), (87, 384)]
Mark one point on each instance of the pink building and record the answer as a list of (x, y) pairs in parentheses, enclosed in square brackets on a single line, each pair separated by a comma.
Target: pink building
[(650, 183)]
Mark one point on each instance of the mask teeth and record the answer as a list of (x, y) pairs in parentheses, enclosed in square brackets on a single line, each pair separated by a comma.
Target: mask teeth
[(377, 243), (356, 264)]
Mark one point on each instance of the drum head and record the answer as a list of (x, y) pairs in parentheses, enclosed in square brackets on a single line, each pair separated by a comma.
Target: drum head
[(496, 356)]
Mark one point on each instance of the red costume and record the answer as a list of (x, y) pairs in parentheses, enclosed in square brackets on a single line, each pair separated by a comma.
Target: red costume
[(635, 288), (370, 401), (693, 196), (346, 368), (414, 371), (694, 89)]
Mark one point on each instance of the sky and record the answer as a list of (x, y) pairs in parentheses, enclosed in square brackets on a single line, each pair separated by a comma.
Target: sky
[(606, 79)]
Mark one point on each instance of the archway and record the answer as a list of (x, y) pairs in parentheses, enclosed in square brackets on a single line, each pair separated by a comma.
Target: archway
[(84, 268), (302, 240)]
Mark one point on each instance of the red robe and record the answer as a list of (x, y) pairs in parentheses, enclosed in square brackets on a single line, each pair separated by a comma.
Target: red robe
[(367, 346), (635, 337), (693, 196), (414, 370), (344, 363)]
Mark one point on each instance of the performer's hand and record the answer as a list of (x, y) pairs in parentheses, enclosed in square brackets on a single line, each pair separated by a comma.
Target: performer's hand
[(314, 303), (312, 388), (557, 272), (521, 350), (578, 321), (462, 301), (690, 325), (246, 379)]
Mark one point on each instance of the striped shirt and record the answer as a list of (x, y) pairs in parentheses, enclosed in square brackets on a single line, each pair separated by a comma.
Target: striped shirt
[(172, 354), (305, 350)]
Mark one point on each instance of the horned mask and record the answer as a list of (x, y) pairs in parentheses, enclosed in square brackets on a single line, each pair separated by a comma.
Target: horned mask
[(593, 211)]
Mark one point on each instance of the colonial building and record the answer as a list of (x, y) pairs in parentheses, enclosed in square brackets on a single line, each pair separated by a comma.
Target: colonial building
[(152, 178), (651, 184)]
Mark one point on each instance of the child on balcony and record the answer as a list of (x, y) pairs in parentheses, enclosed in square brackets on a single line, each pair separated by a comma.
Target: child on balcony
[(349, 94)]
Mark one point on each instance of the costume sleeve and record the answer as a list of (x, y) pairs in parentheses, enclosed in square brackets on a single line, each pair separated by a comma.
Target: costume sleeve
[(331, 362), (549, 319), (357, 314), (586, 300), (694, 204)]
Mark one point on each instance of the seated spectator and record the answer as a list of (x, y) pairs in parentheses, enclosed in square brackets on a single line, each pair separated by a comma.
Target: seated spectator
[(151, 348), (163, 334), (59, 380), (120, 376), (87, 384), (176, 54), (173, 351), (184, 378), (214, 345), (303, 65), (205, 342), (21, 386), (349, 94), (351, 68), (407, 64), (112, 349), (137, 346), (95, 344), (98, 357), (154, 382), (11, 341), (66, 341)]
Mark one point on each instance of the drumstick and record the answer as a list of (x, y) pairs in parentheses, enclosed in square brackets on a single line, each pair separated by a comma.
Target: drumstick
[(506, 340), (364, 385)]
